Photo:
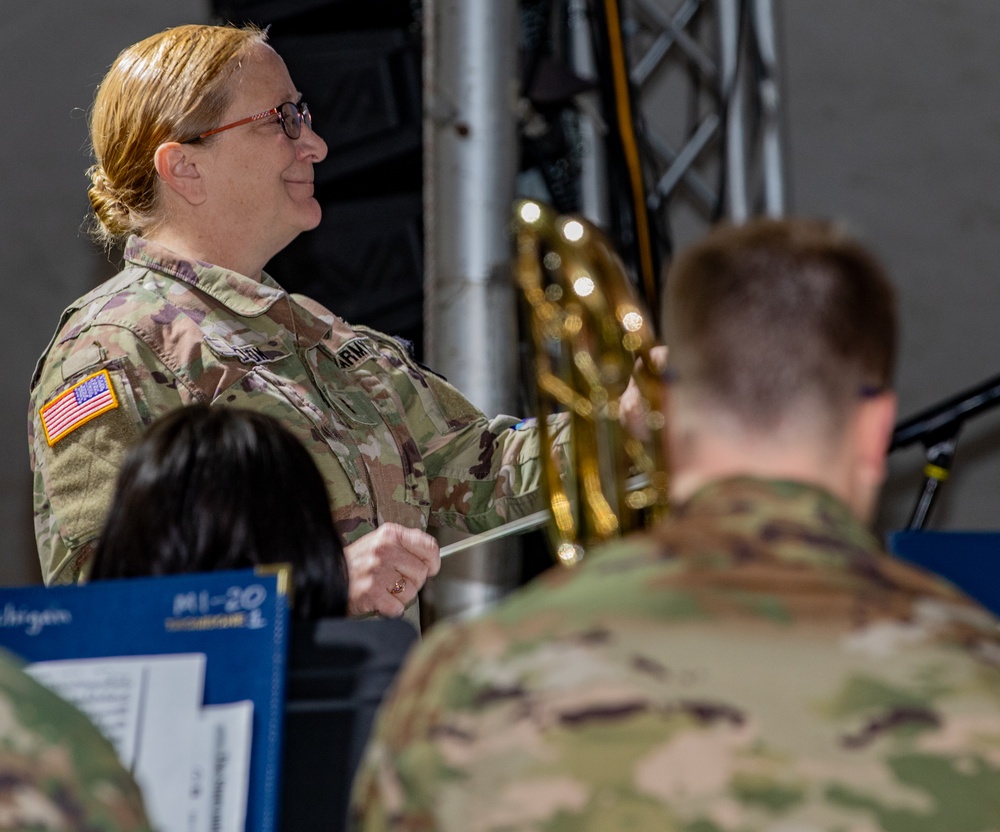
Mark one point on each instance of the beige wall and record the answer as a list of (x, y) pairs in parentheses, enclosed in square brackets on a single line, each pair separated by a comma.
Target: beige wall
[(894, 127), (53, 53)]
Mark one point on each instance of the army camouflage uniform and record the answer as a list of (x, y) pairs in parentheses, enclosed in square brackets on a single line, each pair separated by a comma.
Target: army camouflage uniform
[(752, 664), (57, 772), (394, 442)]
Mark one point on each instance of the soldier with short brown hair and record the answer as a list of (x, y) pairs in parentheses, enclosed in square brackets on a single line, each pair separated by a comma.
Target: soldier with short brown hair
[(753, 663)]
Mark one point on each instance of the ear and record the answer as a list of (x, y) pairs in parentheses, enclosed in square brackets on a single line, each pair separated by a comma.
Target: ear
[(878, 415), (177, 166), (873, 425)]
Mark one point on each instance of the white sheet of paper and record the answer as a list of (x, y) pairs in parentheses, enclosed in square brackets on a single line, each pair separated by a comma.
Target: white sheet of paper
[(108, 693), (150, 706), (221, 771)]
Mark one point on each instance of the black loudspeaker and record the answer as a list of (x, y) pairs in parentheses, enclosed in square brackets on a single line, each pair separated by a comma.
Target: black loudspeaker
[(315, 16), (358, 67), (364, 263), (364, 91)]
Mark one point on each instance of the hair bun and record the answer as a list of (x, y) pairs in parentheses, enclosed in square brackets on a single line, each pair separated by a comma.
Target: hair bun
[(114, 219)]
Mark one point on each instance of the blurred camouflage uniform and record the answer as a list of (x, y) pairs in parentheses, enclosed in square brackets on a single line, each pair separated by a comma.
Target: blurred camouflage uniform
[(752, 664), (57, 772), (394, 443)]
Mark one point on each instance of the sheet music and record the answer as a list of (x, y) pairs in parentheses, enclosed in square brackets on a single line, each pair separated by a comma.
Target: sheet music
[(191, 762), (109, 693), (221, 769)]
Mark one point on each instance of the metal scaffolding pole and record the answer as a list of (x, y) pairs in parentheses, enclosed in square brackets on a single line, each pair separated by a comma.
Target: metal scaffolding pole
[(470, 169), (763, 21), (732, 101), (593, 173), (728, 160), (725, 162)]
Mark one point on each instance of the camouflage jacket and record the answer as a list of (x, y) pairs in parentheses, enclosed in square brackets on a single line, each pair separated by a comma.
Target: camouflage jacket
[(393, 441), (752, 664), (57, 772)]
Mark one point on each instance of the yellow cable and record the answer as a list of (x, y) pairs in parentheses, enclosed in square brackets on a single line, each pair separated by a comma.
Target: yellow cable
[(630, 146)]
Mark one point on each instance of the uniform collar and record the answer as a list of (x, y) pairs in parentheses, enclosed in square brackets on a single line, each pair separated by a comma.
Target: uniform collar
[(795, 518), (240, 294)]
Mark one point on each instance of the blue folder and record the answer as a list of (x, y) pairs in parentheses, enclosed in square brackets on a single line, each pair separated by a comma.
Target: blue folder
[(970, 560), (239, 620)]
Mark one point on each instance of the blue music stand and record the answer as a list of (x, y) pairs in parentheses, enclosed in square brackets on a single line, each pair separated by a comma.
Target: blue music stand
[(970, 560), (238, 619)]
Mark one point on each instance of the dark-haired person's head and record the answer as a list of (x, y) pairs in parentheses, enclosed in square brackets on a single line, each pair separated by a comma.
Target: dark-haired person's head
[(782, 339), (210, 488)]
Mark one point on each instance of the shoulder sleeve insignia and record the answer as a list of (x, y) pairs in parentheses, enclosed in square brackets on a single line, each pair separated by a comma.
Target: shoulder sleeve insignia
[(85, 400)]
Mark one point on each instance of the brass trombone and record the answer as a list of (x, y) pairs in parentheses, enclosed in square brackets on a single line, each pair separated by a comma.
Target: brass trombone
[(587, 327), (588, 333)]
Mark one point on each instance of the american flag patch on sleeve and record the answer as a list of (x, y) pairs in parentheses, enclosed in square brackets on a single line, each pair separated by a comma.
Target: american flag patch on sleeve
[(84, 401)]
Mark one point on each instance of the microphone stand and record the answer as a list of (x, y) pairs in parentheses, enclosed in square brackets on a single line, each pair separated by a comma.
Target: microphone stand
[(937, 428)]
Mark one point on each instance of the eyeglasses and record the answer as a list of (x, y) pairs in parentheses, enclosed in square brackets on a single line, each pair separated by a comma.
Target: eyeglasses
[(291, 115)]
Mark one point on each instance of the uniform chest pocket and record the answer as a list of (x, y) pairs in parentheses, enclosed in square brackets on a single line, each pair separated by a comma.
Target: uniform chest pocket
[(342, 390), (403, 389), (331, 441), (352, 405)]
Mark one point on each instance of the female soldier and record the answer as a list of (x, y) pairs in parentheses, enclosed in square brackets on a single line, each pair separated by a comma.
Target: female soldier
[(204, 167)]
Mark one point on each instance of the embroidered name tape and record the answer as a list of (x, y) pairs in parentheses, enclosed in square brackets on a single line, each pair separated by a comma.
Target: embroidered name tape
[(353, 352), (252, 354), (84, 401)]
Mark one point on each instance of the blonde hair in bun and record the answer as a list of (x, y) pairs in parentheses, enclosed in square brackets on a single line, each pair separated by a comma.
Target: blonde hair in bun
[(114, 219)]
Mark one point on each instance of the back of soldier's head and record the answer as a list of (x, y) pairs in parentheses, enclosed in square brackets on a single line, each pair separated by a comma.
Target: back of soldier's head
[(780, 318)]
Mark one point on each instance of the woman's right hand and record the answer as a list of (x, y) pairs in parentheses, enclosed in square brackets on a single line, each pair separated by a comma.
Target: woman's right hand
[(387, 567)]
